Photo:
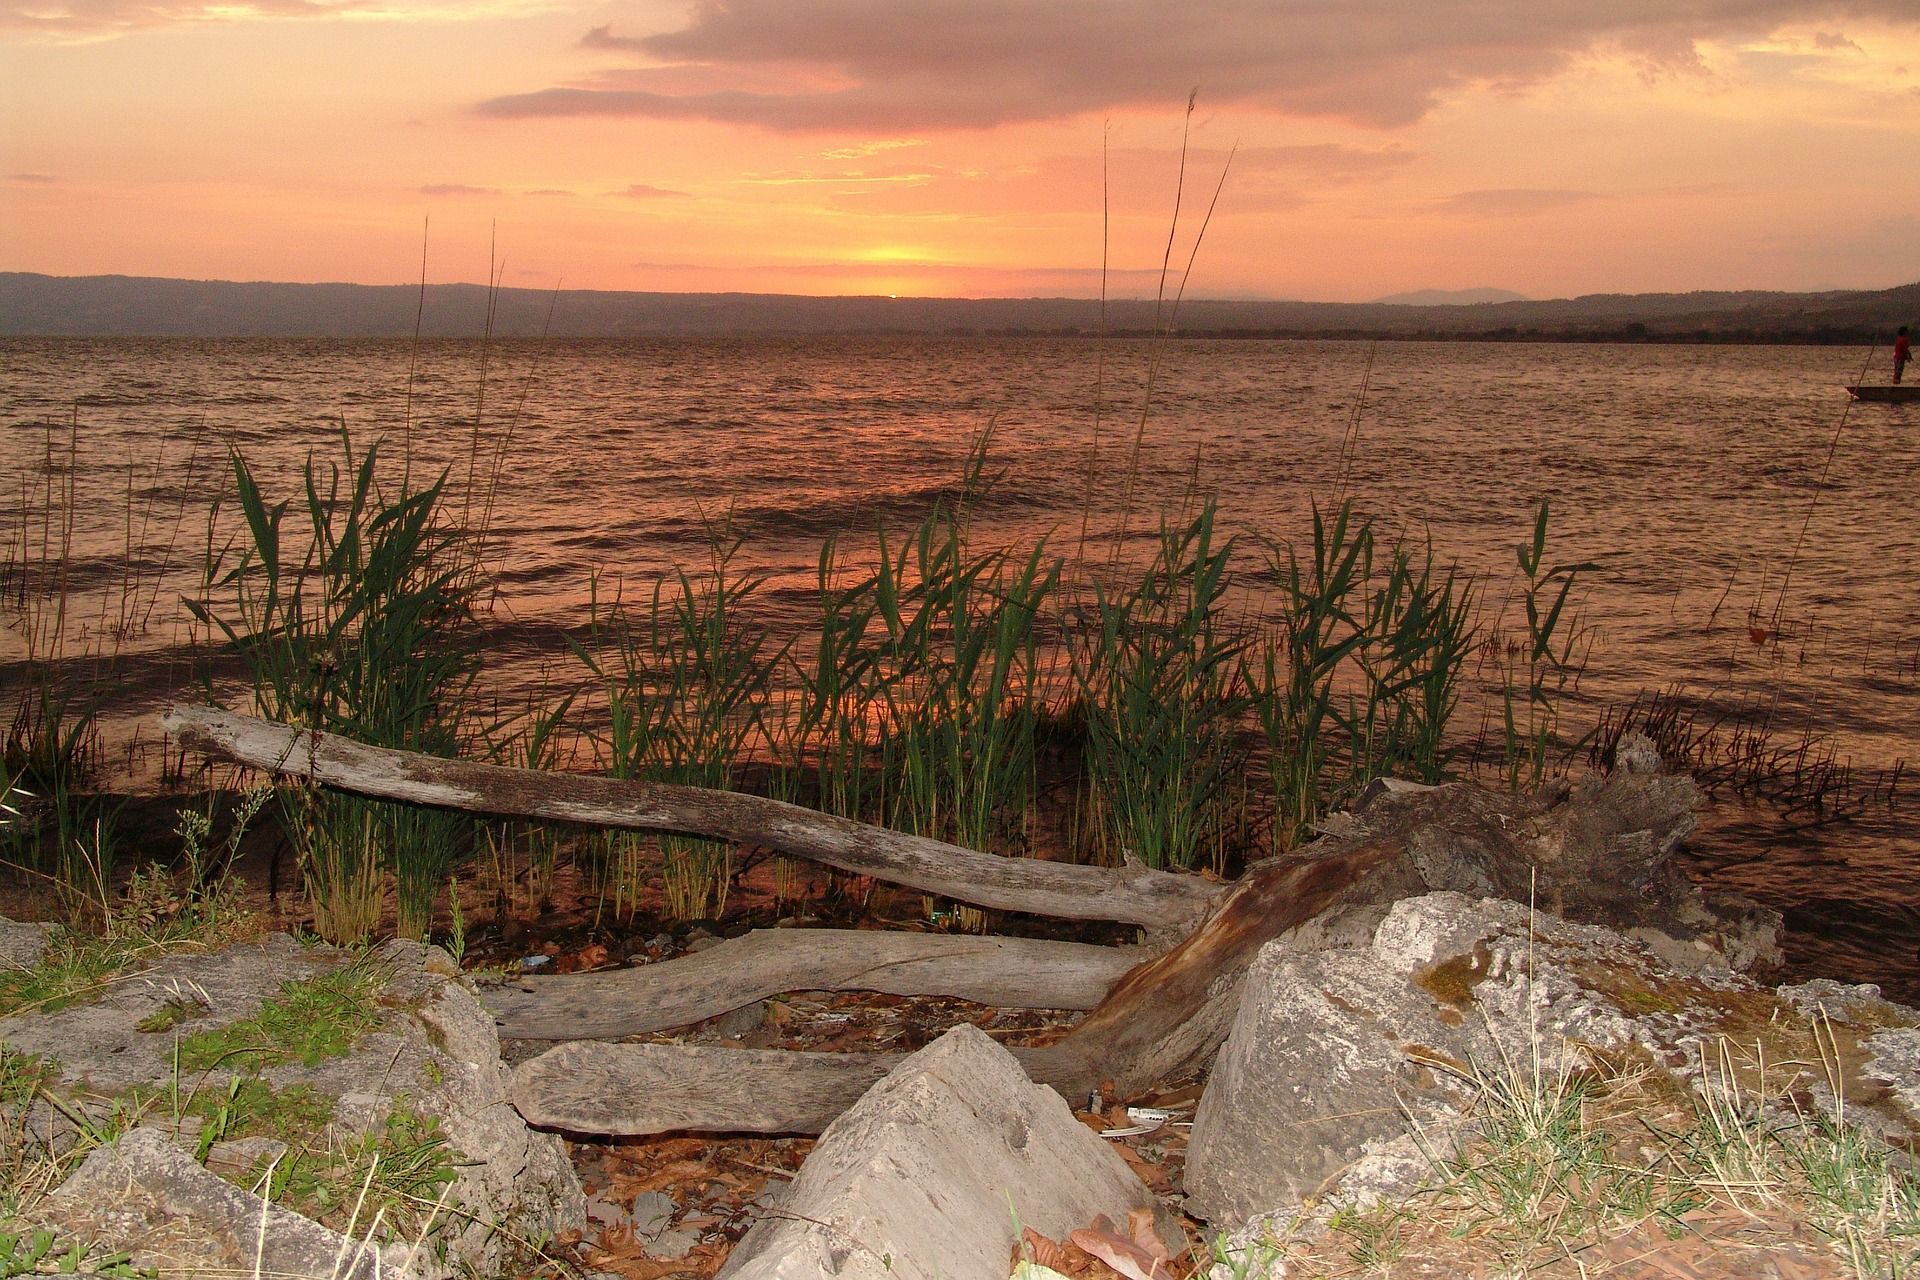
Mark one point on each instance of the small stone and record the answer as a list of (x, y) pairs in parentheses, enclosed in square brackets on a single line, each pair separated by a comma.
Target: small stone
[(22, 945), (671, 1246), (735, 1023), (652, 1213)]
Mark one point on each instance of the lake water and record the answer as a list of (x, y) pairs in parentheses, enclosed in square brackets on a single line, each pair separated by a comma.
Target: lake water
[(1717, 489)]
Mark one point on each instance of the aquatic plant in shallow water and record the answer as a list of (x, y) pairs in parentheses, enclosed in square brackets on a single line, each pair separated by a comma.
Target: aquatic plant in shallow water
[(686, 687), (360, 624), (1158, 670)]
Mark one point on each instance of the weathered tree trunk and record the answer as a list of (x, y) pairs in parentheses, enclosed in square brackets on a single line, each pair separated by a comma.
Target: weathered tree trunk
[(1598, 852), (1013, 973), (1158, 900), (588, 1087)]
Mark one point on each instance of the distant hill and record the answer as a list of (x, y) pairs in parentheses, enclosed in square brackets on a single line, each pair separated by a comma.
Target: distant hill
[(1450, 297), (87, 306)]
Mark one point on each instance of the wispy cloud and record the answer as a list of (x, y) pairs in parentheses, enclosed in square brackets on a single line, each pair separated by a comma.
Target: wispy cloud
[(1512, 202), (36, 179), (878, 65), (877, 147), (457, 189), (642, 191), (83, 20)]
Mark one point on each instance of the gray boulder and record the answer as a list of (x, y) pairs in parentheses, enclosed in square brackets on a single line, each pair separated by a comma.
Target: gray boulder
[(927, 1175), (433, 1052), (22, 944), (1346, 1069), (1351, 1074), (144, 1187)]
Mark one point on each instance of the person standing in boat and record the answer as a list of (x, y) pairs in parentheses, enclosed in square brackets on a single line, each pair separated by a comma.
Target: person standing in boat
[(1902, 352)]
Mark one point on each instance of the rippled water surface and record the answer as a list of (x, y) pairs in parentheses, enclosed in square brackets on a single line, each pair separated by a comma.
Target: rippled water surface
[(1716, 488)]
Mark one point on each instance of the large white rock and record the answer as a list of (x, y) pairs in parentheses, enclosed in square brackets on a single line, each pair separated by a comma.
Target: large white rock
[(932, 1173)]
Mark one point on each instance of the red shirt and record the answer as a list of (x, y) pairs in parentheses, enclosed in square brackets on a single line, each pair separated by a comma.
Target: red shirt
[(1901, 350)]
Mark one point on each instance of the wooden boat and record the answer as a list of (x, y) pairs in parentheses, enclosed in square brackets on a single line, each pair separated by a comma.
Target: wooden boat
[(1888, 392)]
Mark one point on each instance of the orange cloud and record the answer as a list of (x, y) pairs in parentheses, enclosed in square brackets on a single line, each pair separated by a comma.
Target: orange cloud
[(85, 20), (878, 65)]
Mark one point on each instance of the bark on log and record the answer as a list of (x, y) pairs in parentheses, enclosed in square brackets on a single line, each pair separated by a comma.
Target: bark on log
[(1012, 973), (589, 1087), (1157, 900)]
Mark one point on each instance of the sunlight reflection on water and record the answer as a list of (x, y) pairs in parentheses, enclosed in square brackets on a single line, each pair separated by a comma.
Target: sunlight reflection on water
[(1686, 472)]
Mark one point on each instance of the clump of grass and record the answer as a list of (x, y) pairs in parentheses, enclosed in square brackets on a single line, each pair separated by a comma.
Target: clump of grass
[(959, 651), (155, 918), (1158, 671), (686, 685), (394, 1178), (522, 853), (1363, 675), (361, 622), (1742, 754), (309, 1020)]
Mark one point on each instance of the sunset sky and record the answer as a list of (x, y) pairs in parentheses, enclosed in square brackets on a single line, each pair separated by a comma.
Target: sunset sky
[(955, 147)]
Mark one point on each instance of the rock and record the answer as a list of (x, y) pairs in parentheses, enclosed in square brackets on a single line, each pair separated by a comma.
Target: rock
[(735, 1023), (23, 944), (144, 1183), (651, 1214), (1337, 1057), (671, 1246), (434, 1054), (927, 1174)]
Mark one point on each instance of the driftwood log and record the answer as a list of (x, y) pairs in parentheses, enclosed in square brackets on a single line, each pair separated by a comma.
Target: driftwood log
[(1597, 852), (1011, 973), (1156, 900)]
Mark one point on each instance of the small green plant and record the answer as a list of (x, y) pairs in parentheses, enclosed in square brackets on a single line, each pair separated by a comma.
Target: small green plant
[(457, 923), (311, 1019), (153, 919), (396, 1175), (43, 1252), (1548, 661)]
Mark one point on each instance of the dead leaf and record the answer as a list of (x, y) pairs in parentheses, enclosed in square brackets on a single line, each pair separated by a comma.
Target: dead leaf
[(1120, 1253)]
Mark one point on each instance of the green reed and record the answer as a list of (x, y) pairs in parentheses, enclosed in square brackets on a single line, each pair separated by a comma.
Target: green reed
[(1363, 675), (824, 738), (686, 686), (1420, 630), (51, 752), (1320, 629), (356, 617), (1159, 673), (958, 662), (962, 654), (1537, 672)]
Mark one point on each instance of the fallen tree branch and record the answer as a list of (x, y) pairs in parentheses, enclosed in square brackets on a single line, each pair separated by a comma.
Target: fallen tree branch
[(1158, 900), (1011, 973), (588, 1087)]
